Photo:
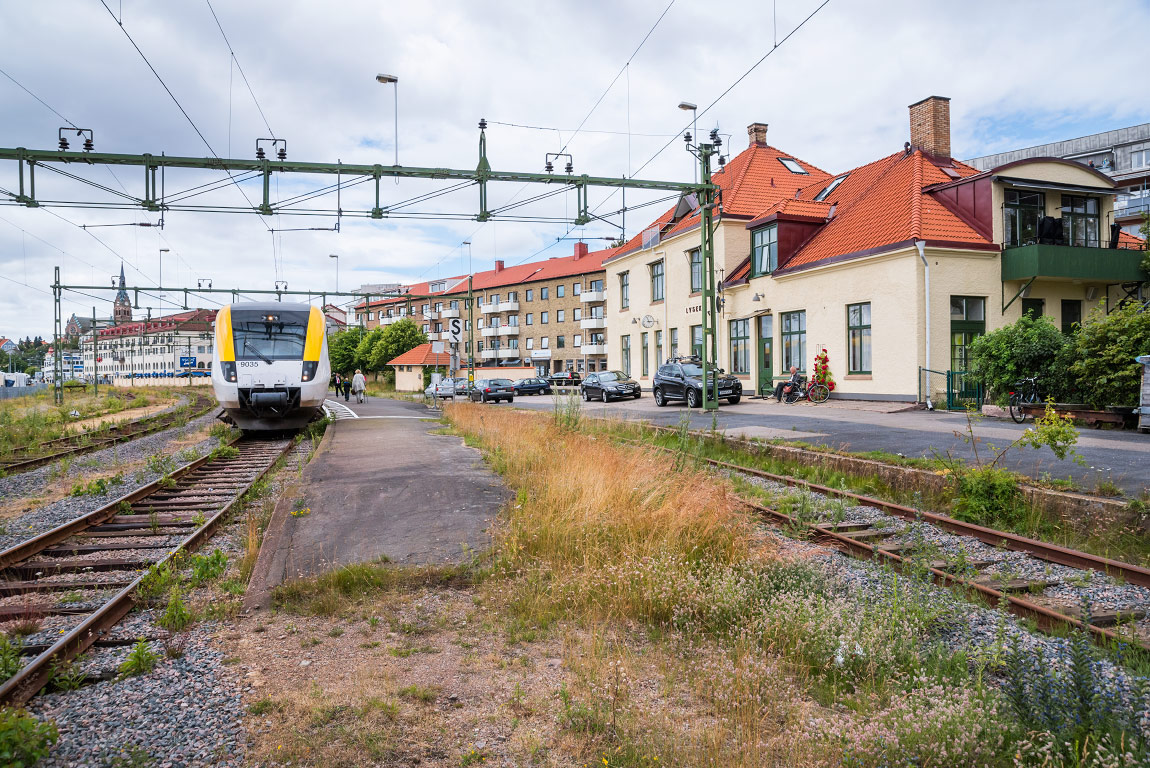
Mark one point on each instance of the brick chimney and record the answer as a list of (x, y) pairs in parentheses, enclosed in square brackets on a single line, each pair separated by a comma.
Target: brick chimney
[(757, 135), (499, 265), (580, 250), (930, 126)]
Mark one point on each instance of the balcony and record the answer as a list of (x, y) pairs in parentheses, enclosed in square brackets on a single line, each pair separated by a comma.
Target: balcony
[(1071, 262), (508, 330), (389, 320), (1132, 210), (490, 354), (593, 296), (593, 323), (509, 306), (507, 354), (594, 349), (494, 330), (448, 314), (489, 308)]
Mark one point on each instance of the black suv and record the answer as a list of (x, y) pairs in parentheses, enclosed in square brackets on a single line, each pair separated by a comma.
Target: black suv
[(681, 378), (608, 385)]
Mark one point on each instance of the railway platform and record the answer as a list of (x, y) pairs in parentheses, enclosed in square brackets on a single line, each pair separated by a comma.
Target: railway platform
[(381, 483)]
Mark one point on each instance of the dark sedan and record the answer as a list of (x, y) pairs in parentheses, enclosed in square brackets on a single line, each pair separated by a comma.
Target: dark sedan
[(564, 379), (492, 389), (532, 387), (609, 385)]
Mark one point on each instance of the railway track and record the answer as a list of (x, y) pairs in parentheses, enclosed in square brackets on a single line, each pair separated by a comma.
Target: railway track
[(86, 442), (866, 541), (111, 550)]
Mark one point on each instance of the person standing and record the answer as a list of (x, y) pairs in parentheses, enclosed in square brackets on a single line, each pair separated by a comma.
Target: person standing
[(359, 385), (338, 384)]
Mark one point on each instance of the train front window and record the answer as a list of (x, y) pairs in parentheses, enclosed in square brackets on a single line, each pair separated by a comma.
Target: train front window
[(268, 336)]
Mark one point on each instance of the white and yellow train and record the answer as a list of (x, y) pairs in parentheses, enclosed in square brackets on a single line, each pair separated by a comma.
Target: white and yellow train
[(270, 367)]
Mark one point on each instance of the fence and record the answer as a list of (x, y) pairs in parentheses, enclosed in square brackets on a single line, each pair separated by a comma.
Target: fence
[(950, 390), (10, 393)]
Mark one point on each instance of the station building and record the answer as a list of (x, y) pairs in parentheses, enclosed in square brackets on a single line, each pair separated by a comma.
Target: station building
[(151, 348), (893, 267)]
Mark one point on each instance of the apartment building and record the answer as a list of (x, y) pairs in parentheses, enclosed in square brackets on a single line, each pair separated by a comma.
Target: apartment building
[(892, 268), (151, 347), (549, 314)]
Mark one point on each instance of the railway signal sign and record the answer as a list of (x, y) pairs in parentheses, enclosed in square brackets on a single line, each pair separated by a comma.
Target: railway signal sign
[(454, 330), (187, 362)]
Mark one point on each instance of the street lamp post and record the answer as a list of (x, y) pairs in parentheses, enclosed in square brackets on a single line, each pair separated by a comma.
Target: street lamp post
[(393, 80), (470, 320), (162, 252), (336, 257), (694, 110)]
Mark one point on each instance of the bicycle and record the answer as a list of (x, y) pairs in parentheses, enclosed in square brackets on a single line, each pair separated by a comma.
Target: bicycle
[(809, 390), (1025, 393)]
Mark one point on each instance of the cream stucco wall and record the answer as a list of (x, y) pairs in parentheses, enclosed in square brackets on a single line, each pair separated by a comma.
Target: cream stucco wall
[(409, 380)]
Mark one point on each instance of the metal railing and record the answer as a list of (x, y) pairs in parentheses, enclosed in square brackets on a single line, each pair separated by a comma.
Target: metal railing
[(10, 393)]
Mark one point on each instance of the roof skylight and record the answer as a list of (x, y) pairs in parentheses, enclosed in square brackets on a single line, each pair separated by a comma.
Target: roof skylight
[(792, 165), (830, 188)]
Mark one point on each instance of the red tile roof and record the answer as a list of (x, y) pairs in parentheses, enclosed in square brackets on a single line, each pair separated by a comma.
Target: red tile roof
[(422, 355), (548, 269), (752, 181), (883, 203), (790, 208), (1125, 240), (165, 323)]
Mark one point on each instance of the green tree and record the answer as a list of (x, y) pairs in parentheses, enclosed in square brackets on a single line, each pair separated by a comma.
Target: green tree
[(1104, 367), (341, 349), (397, 338), (1146, 244), (1031, 346), (365, 346)]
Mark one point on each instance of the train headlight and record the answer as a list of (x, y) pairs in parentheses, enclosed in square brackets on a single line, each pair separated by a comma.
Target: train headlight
[(309, 367), (229, 370)]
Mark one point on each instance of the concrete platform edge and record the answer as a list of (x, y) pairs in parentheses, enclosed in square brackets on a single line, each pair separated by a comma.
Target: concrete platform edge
[(272, 561)]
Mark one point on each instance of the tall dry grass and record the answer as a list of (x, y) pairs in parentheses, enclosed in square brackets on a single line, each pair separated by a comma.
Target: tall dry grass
[(587, 503)]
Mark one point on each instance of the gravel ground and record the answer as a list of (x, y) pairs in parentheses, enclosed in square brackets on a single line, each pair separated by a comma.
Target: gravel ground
[(50, 515), (188, 711), (975, 628)]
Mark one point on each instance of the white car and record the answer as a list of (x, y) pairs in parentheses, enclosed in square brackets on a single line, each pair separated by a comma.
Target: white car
[(444, 389)]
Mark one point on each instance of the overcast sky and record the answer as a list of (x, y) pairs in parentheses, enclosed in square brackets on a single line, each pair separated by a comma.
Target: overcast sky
[(835, 94)]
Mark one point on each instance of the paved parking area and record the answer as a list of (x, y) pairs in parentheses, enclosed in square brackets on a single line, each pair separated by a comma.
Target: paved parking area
[(1121, 456)]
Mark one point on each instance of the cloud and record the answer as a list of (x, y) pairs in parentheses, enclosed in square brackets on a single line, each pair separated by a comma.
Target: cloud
[(835, 94)]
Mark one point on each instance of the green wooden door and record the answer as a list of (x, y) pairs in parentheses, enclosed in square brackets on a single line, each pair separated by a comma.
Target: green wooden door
[(766, 354)]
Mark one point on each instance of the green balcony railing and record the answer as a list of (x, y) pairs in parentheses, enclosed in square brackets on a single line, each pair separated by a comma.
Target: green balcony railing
[(1109, 265)]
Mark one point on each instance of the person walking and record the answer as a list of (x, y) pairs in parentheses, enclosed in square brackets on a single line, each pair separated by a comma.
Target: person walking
[(359, 386), (346, 388), (338, 381)]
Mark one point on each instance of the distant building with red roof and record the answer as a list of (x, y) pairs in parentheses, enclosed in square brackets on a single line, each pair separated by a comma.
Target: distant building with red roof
[(151, 349), (892, 268)]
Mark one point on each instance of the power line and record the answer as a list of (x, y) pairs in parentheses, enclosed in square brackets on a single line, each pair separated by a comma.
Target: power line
[(587, 130), (185, 114), (37, 98), (240, 68)]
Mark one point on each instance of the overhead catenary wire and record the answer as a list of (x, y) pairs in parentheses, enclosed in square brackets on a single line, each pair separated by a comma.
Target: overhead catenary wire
[(183, 111)]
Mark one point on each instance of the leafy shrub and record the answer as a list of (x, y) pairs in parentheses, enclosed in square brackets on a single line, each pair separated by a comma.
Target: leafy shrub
[(1031, 346), (987, 496), (175, 617), (208, 567), (224, 452), (141, 660), (1104, 366), (158, 581), (10, 659), (24, 740)]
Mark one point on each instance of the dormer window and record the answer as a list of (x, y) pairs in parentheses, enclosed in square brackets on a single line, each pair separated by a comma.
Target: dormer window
[(764, 250), (792, 165), (829, 188)]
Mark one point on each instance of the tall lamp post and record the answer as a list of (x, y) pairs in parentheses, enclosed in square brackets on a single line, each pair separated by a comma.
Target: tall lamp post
[(336, 257), (393, 80), (162, 252), (694, 110)]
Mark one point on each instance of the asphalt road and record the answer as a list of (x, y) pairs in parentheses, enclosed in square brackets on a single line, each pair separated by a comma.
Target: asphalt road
[(1120, 456)]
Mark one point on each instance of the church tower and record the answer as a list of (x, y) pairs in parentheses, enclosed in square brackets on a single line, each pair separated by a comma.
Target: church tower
[(122, 309)]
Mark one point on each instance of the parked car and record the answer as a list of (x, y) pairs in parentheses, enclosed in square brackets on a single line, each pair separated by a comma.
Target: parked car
[(444, 388), (609, 385), (681, 378), (462, 386), (532, 387), (564, 379), (492, 389)]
